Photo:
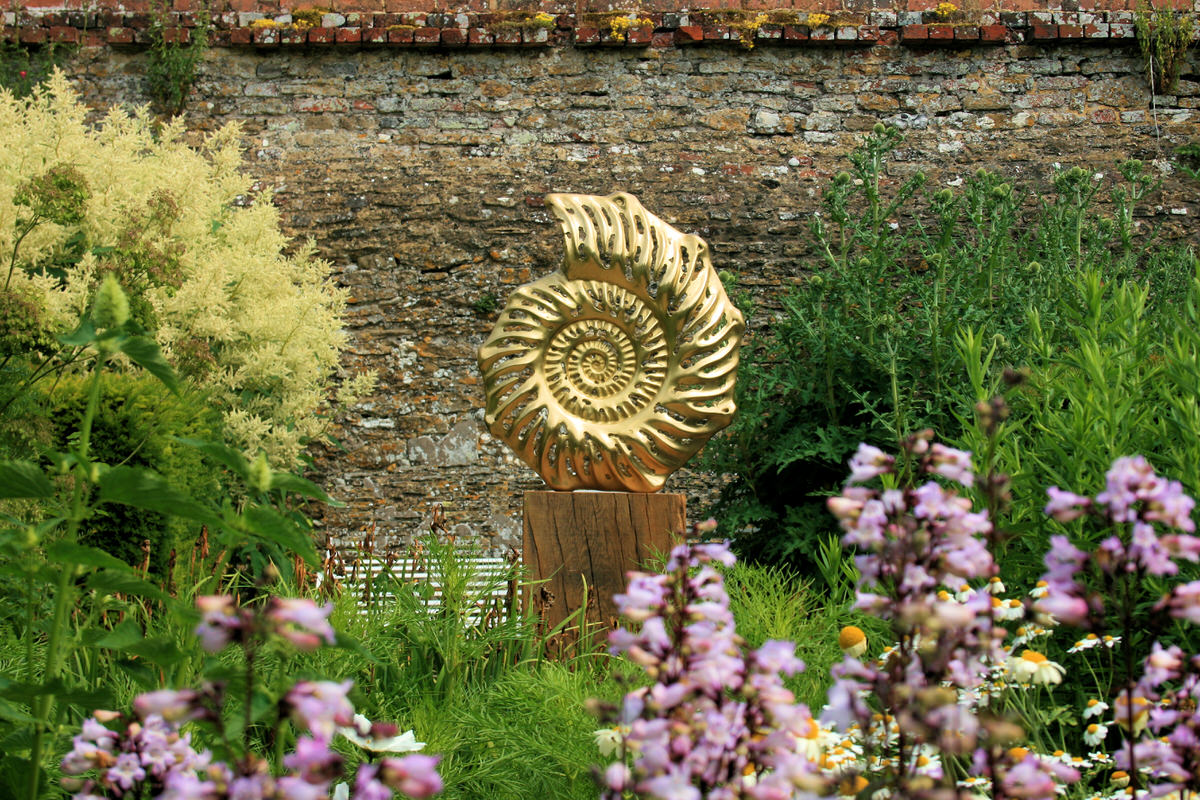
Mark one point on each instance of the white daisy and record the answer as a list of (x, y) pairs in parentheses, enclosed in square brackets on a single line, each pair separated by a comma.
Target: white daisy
[(1094, 708), (1086, 643), (1095, 734), (1033, 667)]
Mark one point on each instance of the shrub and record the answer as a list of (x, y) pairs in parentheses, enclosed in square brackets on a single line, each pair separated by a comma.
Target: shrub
[(194, 243), (865, 347), (1109, 376)]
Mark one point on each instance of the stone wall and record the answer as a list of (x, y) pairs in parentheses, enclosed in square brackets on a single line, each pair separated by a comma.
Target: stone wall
[(419, 168)]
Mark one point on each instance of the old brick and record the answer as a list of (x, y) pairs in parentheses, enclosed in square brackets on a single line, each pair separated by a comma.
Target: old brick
[(639, 35), (292, 37), (348, 35), (993, 33), (689, 34), (120, 35), (454, 37), (915, 33), (322, 35), (1044, 31), (427, 35), (942, 33), (1070, 32), (795, 33), (400, 35)]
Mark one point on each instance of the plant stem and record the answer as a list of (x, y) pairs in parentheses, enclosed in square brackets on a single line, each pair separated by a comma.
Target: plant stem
[(63, 592)]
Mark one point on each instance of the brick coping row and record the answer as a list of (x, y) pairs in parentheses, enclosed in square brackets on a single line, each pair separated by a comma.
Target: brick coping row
[(234, 29)]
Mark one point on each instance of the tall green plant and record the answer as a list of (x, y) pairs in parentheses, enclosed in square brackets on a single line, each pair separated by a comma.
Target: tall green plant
[(1106, 378), (172, 68), (864, 348), (78, 611), (1164, 35)]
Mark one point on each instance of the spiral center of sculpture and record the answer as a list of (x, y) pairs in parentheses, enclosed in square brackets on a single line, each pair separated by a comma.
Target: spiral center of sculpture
[(597, 371)]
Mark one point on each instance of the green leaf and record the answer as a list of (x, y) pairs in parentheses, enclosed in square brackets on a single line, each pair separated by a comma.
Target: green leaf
[(122, 637), (72, 553), (10, 713), (343, 641), (139, 673), (112, 582), (287, 482), (222, 454), (24, 479), (144, 352), (162, 651), (14, 776), (83, 335), (144, 488), (274, 527)]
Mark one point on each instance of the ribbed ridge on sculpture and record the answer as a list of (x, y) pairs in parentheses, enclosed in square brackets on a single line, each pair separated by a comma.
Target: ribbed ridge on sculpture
[(611, 372)]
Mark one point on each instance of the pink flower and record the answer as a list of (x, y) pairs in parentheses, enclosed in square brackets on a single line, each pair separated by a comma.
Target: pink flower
[(869, 462), (171, 705), (321, 706), (952, 464), (302, 622), (1066, 506), (219, 620), (414, 775)]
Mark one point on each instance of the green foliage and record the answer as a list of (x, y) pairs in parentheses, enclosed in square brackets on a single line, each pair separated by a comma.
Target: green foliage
[(23, 67), (486, 304), (770, 602), (1164, 35), (527, 736), (86, 625), (864, 348), (136, 424), (1109, 377), (466, 642), (171, 68)]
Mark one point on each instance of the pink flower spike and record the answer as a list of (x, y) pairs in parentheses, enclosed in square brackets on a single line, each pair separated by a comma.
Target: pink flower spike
[(952, 464), (302, 622), (172, 706), (219, 620), (1066, 506), (869, 462), (415, 775)]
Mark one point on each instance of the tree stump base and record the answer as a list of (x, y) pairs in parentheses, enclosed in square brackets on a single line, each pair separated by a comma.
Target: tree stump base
[(580, 545)]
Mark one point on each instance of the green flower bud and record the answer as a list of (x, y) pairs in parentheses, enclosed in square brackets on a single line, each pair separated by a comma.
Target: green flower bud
[(944, 196), (260, 473), (842, 178), (880, 129), (1035, 266), (111, 307)]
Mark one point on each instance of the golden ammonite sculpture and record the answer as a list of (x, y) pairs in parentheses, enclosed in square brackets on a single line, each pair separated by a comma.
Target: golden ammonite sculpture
[(611, 372)]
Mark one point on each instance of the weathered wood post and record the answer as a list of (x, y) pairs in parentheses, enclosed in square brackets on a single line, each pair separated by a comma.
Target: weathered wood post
[(608, 375), (585, 542)]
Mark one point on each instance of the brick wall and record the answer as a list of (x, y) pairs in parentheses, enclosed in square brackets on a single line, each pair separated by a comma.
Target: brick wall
[(415, 149)]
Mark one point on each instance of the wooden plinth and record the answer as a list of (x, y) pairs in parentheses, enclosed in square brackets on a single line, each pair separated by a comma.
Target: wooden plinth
[(593, 537)]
